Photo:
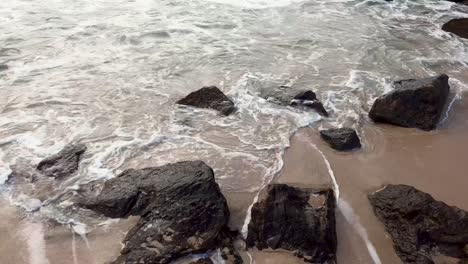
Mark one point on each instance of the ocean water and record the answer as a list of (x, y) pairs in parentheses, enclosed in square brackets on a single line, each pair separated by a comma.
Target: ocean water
[(108, 73)]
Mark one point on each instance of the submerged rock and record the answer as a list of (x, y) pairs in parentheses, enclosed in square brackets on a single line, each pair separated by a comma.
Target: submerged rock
[(300, 220), (209, 97), (3, 67), (413, 103), (457, 26), (202, 261), (64, 163), (421, 227), (181, 207), (341, 139), (305, 99)]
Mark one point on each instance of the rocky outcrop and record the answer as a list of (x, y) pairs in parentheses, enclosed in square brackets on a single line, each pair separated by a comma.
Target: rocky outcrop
[(413, 103), (181, 207), (457, 26), (64, 163), (299, 220), (341, 139), (306, 99), (421, 227), (209, 97)]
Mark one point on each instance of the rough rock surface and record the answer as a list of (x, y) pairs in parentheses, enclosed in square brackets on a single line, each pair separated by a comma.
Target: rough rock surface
[(421, 227), (209, 97), (181, 207), (457, 26), (64, 163), (413, 103), (306, 99), (341, 139), (300, 220)]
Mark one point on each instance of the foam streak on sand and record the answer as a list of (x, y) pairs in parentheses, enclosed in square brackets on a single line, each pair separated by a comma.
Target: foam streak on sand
[(34, 236), (346, 209)]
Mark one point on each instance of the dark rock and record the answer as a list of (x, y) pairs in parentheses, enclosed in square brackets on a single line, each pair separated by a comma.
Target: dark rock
[(209, 97), (306, 99), (202, 261), (181, 207), (3, 67), (461, 2), (300, 220), (413, 103), (341, 139), (421, 227), (457, 26), (64, 163)]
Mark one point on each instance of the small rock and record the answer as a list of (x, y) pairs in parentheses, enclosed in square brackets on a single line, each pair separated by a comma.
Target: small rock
[(306, 99), (181, 207), (209, 97), (413, 103), (64, 163), (341, 139), (287, 220), (457, 26), (421, 227)]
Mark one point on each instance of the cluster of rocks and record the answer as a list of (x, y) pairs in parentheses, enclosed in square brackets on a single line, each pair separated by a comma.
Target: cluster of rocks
[(182, 210)]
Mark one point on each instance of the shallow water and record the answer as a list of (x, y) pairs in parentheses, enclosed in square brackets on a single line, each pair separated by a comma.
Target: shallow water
[(107, 73)]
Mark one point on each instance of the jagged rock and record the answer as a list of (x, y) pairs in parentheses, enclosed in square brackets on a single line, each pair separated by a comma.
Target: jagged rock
[(413, 103), (300, 220), (181, 207), (421, 227), (457, 26), (64, 163), (303, 99), (209, 97), (341, 139)]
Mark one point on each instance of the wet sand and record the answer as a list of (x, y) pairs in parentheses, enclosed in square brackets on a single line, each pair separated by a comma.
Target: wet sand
[(434, 162)]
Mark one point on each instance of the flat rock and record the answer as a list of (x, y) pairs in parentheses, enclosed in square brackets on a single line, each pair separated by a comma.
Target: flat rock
[(341, 139), (457, 26), (209, 97), (64, 163), (181, 207), (413, 103), (305, 99), (299, 220), (422, 228)]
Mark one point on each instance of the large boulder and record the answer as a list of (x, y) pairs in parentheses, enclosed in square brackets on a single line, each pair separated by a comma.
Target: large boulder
[(457, 26), (341, 139), (294, 219), (305, 99), (181, 207), (209, 97), (413, 103), (64, 163), (422, 228)]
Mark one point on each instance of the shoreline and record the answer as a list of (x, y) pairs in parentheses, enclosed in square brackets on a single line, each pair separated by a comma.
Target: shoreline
[(389, 155)]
